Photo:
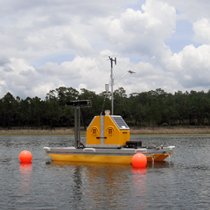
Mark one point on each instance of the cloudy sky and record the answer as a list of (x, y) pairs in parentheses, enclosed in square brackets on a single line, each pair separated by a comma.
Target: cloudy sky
[(45, 44)]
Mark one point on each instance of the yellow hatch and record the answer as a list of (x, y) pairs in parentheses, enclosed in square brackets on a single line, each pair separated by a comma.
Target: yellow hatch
[(107, 131)]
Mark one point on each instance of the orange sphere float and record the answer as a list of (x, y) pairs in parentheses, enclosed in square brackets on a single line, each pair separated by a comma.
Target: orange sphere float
[(139, 160), (25, 157)]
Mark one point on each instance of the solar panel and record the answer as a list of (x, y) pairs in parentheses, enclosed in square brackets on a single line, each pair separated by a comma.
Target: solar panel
[(120, 122)]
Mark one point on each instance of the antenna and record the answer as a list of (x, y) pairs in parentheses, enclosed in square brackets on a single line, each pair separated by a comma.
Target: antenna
[(112, 60)]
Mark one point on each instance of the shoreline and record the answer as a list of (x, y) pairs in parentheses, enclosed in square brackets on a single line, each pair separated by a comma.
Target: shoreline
[(134, 131), (172, 131)]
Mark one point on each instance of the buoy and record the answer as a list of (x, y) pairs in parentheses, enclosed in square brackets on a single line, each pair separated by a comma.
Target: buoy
[(139, 160), (25, 157)]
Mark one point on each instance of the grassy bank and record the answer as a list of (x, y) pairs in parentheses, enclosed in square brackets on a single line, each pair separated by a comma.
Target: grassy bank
[(25, 132), (172, 131), (140, 131)]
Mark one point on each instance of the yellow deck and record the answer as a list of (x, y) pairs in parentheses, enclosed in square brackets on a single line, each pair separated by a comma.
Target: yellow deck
[(92, 158)]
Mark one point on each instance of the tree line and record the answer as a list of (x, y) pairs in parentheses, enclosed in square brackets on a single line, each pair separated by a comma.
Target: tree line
[(151, 108)]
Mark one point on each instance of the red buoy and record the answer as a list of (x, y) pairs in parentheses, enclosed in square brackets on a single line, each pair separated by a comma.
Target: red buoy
[(25, 157), (139, 160)]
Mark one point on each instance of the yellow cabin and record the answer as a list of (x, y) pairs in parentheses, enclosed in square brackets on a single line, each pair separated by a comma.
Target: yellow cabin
[(107, 131)]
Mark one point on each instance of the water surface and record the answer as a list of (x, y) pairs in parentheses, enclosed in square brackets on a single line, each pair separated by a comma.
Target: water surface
[(181, 183)]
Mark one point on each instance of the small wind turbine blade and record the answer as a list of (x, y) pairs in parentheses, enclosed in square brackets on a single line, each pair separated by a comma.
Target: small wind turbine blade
[(131, 72)]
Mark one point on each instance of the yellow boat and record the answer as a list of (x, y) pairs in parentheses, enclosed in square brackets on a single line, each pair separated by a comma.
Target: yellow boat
[(107, 141)]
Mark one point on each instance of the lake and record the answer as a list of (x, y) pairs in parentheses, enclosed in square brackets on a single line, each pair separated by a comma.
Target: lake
[(183, 182)]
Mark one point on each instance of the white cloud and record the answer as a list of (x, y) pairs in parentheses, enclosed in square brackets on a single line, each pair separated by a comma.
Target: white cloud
[(194, 69), (17, 76), (142, 32), (189, 69), (190, 10), (47, 44), (202, 31)]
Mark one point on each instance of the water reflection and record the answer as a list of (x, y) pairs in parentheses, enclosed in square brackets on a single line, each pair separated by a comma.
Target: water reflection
[(139, 187), (25, 177), (77, 184), (163, 164), (140, 171), (104, 185)]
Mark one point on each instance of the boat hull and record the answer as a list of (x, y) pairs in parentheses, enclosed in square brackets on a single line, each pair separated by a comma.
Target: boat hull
[(115, 156)]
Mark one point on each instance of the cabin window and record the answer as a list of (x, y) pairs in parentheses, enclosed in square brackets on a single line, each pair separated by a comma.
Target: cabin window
[(110, 131), (94, 131)]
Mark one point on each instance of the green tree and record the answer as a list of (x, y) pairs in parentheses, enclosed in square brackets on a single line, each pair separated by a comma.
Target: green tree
[(8, 110)]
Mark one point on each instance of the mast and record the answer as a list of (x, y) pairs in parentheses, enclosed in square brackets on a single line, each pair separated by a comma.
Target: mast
[(78, 104), (112, 60)]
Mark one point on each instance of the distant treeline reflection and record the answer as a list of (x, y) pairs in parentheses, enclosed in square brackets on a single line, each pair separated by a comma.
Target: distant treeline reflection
[(152, 108)]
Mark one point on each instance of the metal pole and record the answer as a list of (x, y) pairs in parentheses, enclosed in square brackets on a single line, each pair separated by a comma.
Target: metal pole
[(112, 83), (77, 126), (112, 95)]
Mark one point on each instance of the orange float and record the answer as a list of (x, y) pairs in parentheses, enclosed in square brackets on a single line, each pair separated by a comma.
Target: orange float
[(139, 160), (25, 157)]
